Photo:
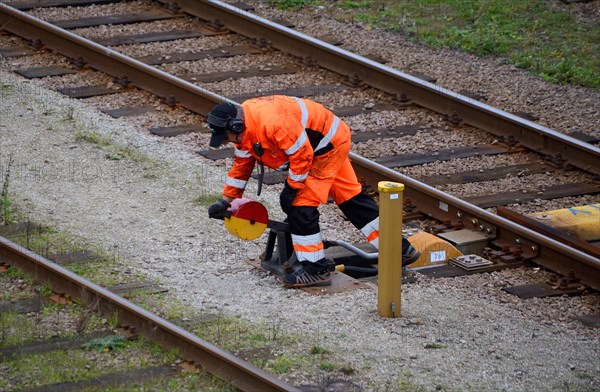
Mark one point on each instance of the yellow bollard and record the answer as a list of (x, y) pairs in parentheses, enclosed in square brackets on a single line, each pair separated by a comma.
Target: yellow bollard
[(389, 284)]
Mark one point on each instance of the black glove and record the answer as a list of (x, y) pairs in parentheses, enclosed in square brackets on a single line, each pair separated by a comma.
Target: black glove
[(287, 196), (218, 209)]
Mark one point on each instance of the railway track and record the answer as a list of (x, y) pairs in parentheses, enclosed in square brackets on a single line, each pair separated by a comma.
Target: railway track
[(70, 287), (184, 89), (319, 69)]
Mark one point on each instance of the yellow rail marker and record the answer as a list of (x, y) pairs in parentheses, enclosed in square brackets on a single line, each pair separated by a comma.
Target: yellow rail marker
[(434, 250), (582, 222)]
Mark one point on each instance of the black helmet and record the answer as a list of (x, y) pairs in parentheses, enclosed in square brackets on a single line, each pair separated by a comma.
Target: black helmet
[(223, 119)]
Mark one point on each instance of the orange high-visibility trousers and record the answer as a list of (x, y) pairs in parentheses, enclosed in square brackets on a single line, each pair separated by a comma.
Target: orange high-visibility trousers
[(332, 175)]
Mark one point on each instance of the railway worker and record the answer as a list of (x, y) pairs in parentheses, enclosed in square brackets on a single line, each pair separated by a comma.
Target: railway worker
[(312, 144)]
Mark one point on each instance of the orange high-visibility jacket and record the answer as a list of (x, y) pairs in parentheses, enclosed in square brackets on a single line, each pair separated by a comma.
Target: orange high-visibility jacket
[(289, 129)]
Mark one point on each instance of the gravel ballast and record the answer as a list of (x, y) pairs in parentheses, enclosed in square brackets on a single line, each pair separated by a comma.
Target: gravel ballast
[(454, 334)]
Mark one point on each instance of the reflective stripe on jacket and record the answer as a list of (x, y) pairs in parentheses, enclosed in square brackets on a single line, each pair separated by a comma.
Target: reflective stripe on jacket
[(289, 129)]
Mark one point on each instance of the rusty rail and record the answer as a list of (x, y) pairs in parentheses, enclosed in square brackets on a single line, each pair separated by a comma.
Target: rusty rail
[(109, 61), (529, 134), (543, 250), (548, 231), (166, 334)]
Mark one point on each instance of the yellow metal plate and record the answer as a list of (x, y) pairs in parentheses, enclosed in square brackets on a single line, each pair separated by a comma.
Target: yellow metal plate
[(340, 282), (434, 250), (582, 222)]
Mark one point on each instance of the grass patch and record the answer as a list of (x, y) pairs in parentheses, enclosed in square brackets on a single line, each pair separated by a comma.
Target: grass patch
[(259, 337), (533, 35), (318, 350), (291, 4), (254, 341), (281, 364), (16, 328), (98, 356), (26, 289), (184, 381), (529, 34), (53, 367), (161, 303), (6, 89), (92, 138), (435, 346), (206, 199), (5, 203), (66, 366), (152, 167), (101, 271), (233, 333), (49, 241), (115, 343)]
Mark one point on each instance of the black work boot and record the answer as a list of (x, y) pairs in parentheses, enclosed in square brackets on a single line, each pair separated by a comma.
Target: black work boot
[(410, 255), (310, 274)]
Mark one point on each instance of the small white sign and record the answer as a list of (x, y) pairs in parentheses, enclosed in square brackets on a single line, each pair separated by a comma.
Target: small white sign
[(443, 206), (393, 196), (440, 255)]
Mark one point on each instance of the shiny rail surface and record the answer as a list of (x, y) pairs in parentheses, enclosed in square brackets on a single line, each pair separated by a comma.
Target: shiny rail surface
[(434, 203), (166, 334), (357, 68), (531, 135), (552, 254)]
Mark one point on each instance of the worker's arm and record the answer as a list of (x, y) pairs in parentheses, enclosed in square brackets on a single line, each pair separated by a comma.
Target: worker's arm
[(238, 175), (291, 138)]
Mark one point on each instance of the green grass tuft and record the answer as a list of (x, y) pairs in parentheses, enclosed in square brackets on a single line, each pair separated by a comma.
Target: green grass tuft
[(291, 4), (115, 343), (318, 350), (435, 345)]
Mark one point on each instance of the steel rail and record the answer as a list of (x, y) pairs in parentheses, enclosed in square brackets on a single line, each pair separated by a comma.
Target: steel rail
[(211, 358), (534, 136), (548, 252), (104, 59), (531, 135)]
